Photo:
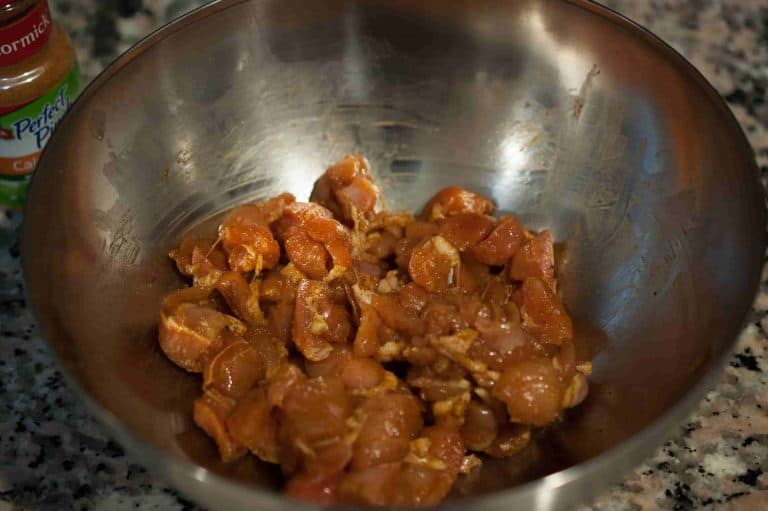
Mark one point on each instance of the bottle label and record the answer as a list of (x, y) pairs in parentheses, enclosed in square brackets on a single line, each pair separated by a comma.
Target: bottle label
[(25, 36), (24, 132)]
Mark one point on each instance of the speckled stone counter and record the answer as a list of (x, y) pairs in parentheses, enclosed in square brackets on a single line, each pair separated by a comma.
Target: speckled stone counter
[(54, 456)]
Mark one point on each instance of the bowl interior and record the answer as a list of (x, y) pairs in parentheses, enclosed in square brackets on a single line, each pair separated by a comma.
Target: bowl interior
[(561, 112)]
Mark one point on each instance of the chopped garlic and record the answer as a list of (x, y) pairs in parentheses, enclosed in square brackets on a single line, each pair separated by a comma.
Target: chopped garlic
[(444, 247), (318, 325), (336, 272), (482, 394), (390, 283), (470, 463), (354, 424), (292, 273), (362, 296), (455, 405), (387, 383), (419, 455), (576, 391), (455, 344), (389, 351), (303, 447)]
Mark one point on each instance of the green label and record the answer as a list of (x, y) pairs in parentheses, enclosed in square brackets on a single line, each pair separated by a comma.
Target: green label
[(24, 133)]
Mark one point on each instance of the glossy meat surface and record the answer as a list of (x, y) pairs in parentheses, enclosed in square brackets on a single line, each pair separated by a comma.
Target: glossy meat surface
[(375, 356)]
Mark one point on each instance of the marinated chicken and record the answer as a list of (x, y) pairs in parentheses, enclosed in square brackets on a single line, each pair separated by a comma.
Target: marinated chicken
[(375, 356)]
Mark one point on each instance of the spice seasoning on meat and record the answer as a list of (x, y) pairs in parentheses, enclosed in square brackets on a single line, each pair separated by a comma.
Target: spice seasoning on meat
[(39, 80), (376, 356)]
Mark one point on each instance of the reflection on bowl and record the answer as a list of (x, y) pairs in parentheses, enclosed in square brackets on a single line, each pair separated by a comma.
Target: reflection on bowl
[(563, 112)]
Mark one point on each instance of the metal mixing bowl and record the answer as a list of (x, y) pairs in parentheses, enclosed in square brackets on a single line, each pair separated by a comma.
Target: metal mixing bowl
[(562, 111)]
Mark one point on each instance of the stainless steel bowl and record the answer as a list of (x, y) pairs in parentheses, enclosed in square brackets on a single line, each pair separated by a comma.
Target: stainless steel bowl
[(562, 111)]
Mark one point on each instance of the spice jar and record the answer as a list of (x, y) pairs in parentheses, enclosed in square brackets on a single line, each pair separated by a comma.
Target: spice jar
[(39, 80)]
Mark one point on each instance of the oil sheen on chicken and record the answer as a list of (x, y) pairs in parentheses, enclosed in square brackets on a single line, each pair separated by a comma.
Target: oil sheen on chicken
[(376, 356)]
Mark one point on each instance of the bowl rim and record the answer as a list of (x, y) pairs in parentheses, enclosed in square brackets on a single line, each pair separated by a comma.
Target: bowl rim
[(631, 451)]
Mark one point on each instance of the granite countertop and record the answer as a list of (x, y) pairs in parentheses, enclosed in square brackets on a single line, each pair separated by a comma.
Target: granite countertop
[(54, 456)]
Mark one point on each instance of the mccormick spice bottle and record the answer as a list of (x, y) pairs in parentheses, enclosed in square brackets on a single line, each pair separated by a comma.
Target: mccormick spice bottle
[(39, 80)]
